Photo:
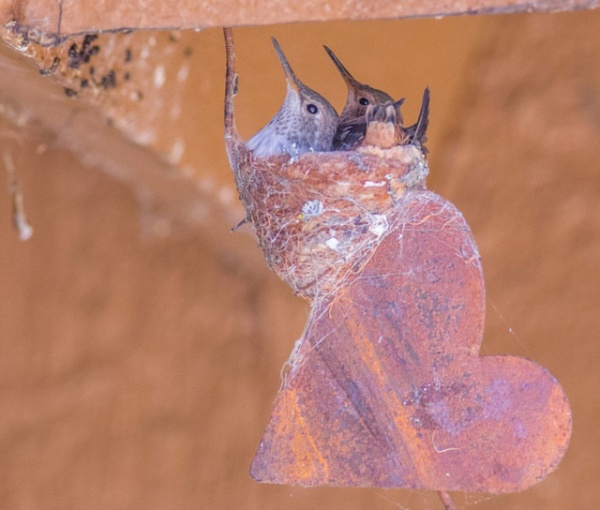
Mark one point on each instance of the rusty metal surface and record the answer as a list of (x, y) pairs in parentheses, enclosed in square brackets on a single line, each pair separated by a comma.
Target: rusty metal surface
[(387, 388)]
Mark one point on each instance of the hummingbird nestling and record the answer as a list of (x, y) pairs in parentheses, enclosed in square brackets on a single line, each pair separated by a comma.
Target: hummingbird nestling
[(382, 127), (352, 124), (306, 122), (384, 131)]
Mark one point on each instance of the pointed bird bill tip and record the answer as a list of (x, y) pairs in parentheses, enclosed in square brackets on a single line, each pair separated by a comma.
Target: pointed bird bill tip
[(290, 76), (348, 78)]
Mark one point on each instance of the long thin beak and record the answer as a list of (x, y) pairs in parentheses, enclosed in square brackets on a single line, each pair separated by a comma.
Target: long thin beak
[(290, 76), (348, 78)]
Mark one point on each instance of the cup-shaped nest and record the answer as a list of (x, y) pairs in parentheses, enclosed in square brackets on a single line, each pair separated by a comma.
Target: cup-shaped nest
[(319, 217)]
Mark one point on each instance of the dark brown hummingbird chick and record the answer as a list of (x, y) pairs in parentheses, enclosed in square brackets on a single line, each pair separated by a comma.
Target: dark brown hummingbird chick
[(306, 122), (352, 125)]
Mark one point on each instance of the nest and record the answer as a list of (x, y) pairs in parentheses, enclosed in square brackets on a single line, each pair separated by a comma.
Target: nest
[(320, 216)]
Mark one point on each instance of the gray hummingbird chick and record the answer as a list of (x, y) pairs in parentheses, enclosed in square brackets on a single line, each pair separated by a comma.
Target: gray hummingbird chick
[(306, 122), (352, 122)]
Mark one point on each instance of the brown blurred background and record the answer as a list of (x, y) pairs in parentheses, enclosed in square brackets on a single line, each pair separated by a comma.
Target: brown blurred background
[(141, 341)]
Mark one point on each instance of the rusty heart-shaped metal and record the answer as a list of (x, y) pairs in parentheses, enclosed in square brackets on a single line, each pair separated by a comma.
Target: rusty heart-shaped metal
[(386, 387)]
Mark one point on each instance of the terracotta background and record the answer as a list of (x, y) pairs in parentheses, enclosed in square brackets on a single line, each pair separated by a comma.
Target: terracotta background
[(141, 341)]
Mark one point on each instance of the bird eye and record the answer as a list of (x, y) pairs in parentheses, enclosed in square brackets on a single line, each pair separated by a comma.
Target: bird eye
[(364, 101), (312, 108)]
